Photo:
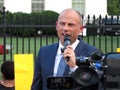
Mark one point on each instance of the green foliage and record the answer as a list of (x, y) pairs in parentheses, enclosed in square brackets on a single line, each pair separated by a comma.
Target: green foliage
[(49, 18), (45, 18), (21, 18), (9, 17), (113, 7), (34, 18), (1, 20)]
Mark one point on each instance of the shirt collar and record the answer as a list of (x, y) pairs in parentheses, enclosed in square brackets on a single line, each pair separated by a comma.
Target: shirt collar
[(74, 45)]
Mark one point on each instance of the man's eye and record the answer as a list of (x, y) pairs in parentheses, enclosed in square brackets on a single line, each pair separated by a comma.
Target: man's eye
[(62, 23), (71, 25)]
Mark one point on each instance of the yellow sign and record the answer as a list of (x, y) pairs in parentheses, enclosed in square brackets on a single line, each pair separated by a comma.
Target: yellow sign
[(118, 49), (23, 71)]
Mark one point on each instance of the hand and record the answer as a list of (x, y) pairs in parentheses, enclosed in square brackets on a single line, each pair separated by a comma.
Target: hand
[(69, 53)]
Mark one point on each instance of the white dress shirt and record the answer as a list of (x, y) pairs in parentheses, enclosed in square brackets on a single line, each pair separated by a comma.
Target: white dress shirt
[(59, 55)]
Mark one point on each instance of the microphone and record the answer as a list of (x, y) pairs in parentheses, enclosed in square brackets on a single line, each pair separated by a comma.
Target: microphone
[(67, 42)]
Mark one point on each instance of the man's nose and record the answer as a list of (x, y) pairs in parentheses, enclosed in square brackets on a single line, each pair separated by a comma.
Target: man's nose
[(66, 28)]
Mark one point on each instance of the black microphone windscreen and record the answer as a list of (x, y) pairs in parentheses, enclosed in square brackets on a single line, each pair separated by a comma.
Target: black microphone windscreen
[(67, 40), (67, 37)]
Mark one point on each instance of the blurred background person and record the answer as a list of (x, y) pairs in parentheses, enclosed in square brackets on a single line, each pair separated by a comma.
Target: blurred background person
[(7, 71)]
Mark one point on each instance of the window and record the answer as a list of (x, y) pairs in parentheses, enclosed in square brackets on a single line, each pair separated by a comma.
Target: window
[(37, 5), (1, 4), (79, 5)]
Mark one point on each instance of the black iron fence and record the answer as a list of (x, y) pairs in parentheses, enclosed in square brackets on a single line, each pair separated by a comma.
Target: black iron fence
[(103, 33)]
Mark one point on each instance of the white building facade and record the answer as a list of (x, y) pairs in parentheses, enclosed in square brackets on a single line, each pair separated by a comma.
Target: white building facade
[(86, 7)]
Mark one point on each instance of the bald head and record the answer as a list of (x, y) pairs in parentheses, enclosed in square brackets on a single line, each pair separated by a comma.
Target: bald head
[(69, 22), (74, 13)]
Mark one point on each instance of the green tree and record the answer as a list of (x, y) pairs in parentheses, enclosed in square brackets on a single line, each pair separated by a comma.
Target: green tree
[(113, 7), (47, 17)]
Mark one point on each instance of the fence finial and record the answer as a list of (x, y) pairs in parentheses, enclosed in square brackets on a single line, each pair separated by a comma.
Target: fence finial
[(3, 11)]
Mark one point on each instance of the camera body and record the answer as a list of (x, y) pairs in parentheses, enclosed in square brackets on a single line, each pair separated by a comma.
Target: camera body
[(91, 71)]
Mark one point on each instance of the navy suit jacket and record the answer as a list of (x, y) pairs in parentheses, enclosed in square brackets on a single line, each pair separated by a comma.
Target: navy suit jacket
[(44, 64)]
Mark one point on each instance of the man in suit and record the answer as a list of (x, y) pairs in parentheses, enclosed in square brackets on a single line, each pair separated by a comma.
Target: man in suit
[(69, 22)]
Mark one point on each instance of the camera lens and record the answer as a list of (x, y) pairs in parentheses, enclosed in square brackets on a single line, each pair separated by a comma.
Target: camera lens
[(85, 76)]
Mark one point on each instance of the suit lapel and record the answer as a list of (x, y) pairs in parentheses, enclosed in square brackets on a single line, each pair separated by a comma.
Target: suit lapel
[(52, 56), (79, 50)]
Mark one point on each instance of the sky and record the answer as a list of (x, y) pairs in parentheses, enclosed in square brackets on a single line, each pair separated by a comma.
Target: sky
[(18, 5), (96, 7)]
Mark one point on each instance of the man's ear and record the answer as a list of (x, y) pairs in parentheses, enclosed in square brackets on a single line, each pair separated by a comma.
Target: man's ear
[(81, 28), (56, 23)]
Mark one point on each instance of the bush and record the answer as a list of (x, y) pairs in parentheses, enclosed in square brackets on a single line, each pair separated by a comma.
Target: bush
[(34, 18), (46, 18)]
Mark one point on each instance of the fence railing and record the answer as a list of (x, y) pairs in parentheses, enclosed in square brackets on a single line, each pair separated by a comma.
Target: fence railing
[(103, 33)]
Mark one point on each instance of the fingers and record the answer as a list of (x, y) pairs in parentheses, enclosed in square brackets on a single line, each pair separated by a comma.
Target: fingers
[(68, 52), (69, 55)]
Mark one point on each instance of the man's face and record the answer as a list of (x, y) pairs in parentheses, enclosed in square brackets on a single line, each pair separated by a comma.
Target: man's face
[(68, 23)]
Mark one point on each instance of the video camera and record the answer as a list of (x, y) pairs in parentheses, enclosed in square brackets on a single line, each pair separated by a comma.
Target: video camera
[(88, 75), (91, 71)]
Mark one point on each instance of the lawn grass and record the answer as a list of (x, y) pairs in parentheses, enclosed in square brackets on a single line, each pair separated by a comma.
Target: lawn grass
[(105, 44), (25, 45)]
